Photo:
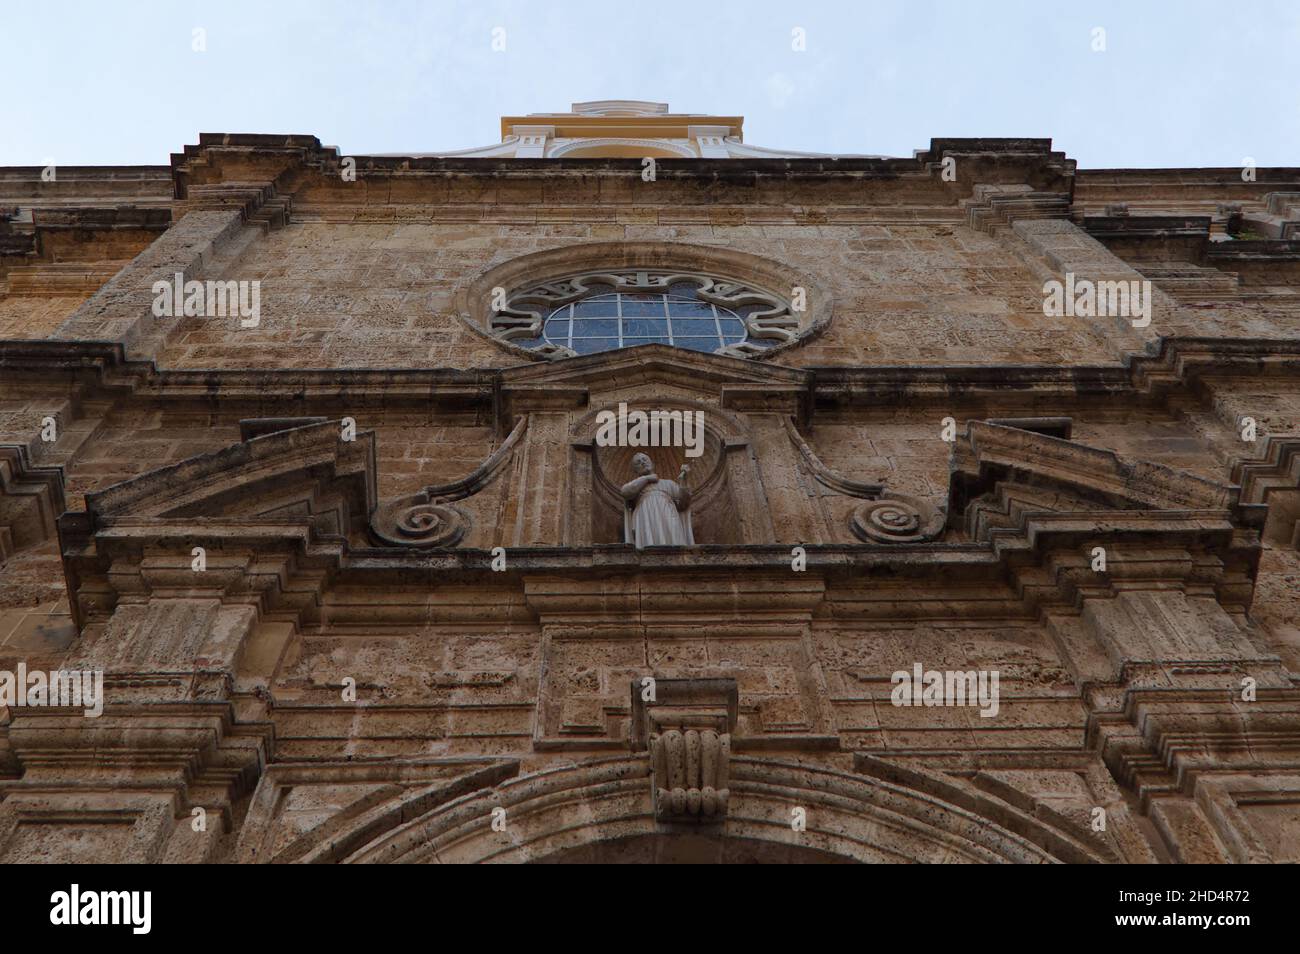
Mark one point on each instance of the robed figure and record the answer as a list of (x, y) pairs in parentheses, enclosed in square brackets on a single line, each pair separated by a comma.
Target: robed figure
[(658, 512)]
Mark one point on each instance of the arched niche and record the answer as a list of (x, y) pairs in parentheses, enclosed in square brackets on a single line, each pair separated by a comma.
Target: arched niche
[(600, 472)]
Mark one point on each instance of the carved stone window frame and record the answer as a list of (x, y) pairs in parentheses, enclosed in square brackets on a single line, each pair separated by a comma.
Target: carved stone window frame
[(534, 285)]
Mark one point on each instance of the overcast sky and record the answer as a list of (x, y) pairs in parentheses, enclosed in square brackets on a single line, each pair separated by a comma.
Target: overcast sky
[(1177, 84)]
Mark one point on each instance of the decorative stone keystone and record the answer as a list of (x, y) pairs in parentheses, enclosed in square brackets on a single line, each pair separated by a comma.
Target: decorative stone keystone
[(686, 724)]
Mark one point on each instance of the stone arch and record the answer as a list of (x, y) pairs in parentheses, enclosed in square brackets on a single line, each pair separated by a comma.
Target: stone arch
[(567, 813), (473, 296)]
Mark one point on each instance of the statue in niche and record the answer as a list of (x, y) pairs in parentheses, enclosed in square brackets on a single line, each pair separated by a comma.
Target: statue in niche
[(658, 512)]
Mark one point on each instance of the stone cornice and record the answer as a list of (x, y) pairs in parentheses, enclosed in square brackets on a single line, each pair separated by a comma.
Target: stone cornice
[(1163, 740), (35, 500), (1177, 363)]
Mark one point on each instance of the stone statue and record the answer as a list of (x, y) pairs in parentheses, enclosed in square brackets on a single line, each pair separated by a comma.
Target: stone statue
[(658, 512)]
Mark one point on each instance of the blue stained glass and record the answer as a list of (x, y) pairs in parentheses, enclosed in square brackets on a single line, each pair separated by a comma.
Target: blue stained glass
[(690, 309), (691, 327), (642, 327), (649, 309), (596, 328), (596, 324), (592, 345), (697, 344), (598, 308)]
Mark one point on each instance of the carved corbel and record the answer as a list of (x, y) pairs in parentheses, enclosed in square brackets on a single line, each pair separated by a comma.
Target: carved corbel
[(686, 725)]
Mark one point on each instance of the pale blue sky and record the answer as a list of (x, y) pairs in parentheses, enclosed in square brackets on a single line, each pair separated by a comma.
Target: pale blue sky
[(1179, 84)]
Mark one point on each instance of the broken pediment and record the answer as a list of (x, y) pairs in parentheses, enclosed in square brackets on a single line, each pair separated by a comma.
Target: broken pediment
[(298, 472), (1048, 506), (290, 496), (991, 454)]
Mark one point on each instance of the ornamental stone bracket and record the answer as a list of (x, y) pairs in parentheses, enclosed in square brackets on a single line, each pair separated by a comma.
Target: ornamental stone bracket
[(686, 726), (427, 518), (885, 516)]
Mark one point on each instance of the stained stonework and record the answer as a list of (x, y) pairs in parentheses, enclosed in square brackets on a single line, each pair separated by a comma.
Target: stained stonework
[(356, 573)]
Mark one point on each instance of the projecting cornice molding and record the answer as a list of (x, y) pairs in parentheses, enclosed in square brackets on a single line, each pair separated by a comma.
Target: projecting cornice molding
[(1043, 504), (31, 499), (1175, 364), (1019, 495), (1026, 499), (1272, 481)]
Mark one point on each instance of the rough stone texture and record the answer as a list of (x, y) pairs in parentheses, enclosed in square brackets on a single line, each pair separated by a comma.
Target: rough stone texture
[(327, 689)]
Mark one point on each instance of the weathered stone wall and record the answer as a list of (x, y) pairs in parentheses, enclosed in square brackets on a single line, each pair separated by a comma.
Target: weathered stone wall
[(351, 676)]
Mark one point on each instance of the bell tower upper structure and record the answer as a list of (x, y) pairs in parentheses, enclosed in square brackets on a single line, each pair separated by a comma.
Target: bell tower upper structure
[(622, 128)]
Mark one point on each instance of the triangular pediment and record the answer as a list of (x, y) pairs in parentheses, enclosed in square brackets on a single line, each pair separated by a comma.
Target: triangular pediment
[(599, 378)]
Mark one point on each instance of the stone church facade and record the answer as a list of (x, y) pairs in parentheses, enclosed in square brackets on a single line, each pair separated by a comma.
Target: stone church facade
[(301, 455)]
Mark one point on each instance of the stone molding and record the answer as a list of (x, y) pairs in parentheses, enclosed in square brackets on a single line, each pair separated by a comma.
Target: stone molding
[(858, 815), (886, 516), (1271, 481), (31, 499)]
